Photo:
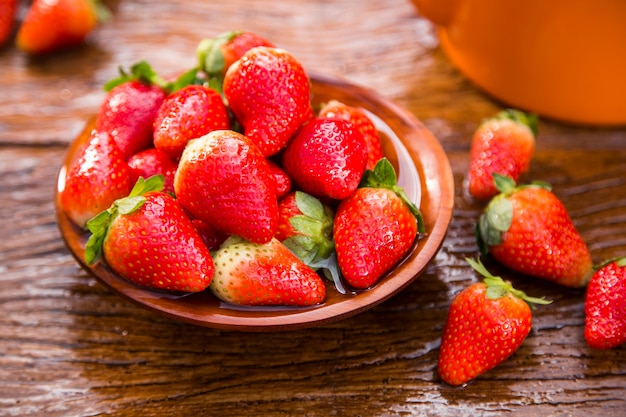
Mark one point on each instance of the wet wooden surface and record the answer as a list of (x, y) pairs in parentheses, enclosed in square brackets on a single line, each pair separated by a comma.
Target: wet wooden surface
[(71, 347)]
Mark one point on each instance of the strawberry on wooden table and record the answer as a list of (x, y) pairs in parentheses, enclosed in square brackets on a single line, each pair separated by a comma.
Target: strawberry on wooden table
[(148, 239), (605, 305), (264, 275), (528, 229), (487, 322), (8, 11), (503, 144)]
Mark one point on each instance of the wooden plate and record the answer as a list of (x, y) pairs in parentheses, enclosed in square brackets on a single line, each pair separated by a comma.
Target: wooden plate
[(423, 170)]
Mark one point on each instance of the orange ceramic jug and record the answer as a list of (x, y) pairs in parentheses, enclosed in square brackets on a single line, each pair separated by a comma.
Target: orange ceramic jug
[(564, 59)]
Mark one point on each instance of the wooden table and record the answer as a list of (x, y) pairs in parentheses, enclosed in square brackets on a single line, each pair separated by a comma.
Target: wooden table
[(71, 347)]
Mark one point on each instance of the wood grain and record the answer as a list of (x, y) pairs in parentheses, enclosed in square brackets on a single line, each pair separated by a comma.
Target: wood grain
[(70, 347)]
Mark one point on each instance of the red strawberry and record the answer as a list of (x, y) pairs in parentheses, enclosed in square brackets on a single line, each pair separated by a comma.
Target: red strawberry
[(186, 114), (327, 158), (375, 227), (268, 92), (8, 10), (224, 180), (605, 306), (148, 239), (152, 161), (281, 179), (212, 237), (362, 122), (528, 229), (487, 322), (53, 25), (262, 275), (99, 176), (503, 144)]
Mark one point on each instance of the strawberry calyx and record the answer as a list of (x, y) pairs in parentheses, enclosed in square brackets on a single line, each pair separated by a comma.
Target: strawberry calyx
[(620, 261), (143, 72), (209, 53), (384, 176), (498, 288), (99, 224), (531, 120)]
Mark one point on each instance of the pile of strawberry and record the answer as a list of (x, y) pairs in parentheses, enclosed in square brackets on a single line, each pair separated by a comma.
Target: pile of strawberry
[(226, 178), (527, 229)]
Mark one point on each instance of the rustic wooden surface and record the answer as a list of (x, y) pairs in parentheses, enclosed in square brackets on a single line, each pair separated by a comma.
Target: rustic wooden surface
[(71, 347)]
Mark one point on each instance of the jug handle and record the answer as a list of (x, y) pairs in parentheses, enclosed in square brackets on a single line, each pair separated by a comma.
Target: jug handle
[(440, 12)]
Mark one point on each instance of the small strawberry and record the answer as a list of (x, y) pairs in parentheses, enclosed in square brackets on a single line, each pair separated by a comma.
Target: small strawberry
[(529, 230), (212, 237), (224, 180), (281, 179), (148, 239), (150, 162), (487, 322), (264, 275), (98, 176), (375, 227), (503, 144), (8, 11), (53, 25), (327, 158), (186, 114), (268, 91), (362, 122), (605, 305)]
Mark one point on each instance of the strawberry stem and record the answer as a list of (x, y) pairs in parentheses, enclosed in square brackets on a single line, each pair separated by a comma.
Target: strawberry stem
[(528, 119)]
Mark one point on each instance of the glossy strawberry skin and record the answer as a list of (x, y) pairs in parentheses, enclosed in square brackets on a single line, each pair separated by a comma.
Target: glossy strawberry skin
[(99, 176), (157, 246), (186, 114), (268, 91), (605, 306), (373, 230), (224, 180), (327, 158), (127, 113), (282, 180), (151, 162)]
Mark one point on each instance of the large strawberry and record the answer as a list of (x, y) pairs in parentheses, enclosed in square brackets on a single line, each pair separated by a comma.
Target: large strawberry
[(96, 178), (53, 25), (327, 158), (148, 239), (605, 305), (8, 11), (269, 93), (186, 114), (487, 322), (375, 227), (528, 229), (264, 274), (362, 122), (224, 180), (503, 144)]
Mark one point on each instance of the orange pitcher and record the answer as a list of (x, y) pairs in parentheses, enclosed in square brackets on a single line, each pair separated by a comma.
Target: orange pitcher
[(564, 59)]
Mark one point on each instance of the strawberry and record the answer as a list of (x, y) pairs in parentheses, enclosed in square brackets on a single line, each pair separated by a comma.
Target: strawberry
[(487, 322), (212, 237), (268, 91), (375, 227), (98, 176), (529, 230), (503, 144), (148, 239), (8, 11), (605, 305), (327, 158), (151, 162), (224, 180), (264, 275), (53, 25), (186, 114), (282, 181), (363, 123)]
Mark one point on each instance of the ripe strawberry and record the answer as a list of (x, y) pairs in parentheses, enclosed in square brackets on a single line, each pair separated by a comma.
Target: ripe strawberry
[(528, 229), (327, 158), (268, 92), (148, 239), (605, 306), (224, 180), (375, 227), (150, 162), (487, 322), (264, 274), (186, 114), (98, 176), (212, 237), (282, 181), (8, 10), (362, 122), (53, 25), (503, 144)]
